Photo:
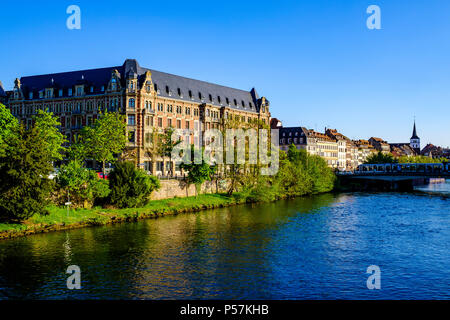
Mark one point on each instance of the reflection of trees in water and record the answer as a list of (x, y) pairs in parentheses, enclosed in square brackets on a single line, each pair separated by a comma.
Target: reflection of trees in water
[(190, 255)]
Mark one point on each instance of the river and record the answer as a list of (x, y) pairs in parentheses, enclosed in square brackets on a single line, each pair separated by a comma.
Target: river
[(307, 248)]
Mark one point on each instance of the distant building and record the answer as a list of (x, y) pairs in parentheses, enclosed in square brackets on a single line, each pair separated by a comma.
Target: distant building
[(365, 149), (2, 94), (347, 150), (380, 145), (432, 151), (415, 140), (315, 143), (275, 123), (402, 149)]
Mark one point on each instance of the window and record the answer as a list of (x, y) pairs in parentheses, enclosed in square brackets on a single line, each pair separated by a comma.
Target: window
[(227, 100), (131, 103), (187, 125), (243, 104), (80, 91), (48, 93), (179, 124), (218, 99), (190, 94), (179, 92), (250, 105), (160, 124), (89, 121), (167, 90), (103, 88), (113, 84), (150, 121), (131, 136), (200, 96), (31, 95), (70, 92), (131, 120), (235, 102), (210, 98), (169, 123), (41, 94)]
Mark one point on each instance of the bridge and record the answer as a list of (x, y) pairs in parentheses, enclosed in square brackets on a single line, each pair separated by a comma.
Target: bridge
[(395, 176)]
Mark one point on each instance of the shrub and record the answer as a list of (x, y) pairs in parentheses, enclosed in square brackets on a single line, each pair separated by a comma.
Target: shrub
[(81, 185), (131, 187)]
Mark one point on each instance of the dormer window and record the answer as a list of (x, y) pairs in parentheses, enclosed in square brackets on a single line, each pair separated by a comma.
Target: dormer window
[(235, 102), (80, 91), (218, 99), (31, 95), (200, 96), (243, 104), (113, 84), (179, 92), (41, 94), (156, 87), (103, 89), (48, 93), (228, 101), (250, 105), (70, 92), (190, 94), (210, 98), (60, 93), (148, 87), (92, 89)]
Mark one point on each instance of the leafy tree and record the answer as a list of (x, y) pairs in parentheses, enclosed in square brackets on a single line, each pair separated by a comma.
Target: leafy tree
[(105, 139), (8, 128), (24, 170), (47, 124), (380, 158), (420, 159), (80, 185), (131, 187), (198, 173)]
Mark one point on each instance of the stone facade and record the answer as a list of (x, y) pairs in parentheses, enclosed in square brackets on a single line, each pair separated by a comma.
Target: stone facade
[(150, 100)]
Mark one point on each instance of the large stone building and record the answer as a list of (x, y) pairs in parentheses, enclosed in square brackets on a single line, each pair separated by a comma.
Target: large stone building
[(148, 98)]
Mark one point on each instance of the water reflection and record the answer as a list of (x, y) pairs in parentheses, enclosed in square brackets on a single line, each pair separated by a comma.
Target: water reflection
[(317, 248)]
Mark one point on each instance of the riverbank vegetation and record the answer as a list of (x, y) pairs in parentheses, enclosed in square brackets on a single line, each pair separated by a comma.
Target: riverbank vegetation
[(31, 201), (381, 158)]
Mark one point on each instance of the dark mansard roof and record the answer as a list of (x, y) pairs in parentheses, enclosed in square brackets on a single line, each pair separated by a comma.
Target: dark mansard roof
[(167, 85)]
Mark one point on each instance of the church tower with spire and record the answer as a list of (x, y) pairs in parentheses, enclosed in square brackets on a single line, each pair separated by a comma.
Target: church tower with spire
[(415, 140)]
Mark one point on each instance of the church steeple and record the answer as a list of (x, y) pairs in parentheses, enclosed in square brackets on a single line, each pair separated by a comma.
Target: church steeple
[(414, 135), (415, 140)]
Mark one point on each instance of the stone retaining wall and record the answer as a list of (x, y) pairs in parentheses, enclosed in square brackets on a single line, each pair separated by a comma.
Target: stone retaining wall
[(178, 188)]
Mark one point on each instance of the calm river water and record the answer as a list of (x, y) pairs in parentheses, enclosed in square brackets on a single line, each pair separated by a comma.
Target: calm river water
[(307, 248)]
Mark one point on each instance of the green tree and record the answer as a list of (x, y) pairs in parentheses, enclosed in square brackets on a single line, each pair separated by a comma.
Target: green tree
[(48, 125), (80, 185), (131, 187), (8, 128), (380, 158), (105, 139), (198, 173), (24, 170)]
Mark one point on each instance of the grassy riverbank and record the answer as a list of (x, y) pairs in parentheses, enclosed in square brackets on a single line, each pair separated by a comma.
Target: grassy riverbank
[(58, 219)]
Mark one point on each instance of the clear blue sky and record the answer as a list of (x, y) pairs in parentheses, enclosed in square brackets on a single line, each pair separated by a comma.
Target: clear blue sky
[(316, 61)]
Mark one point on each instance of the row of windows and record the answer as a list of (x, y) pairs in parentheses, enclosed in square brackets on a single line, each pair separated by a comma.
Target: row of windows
[(202, 97), (89, 106)]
